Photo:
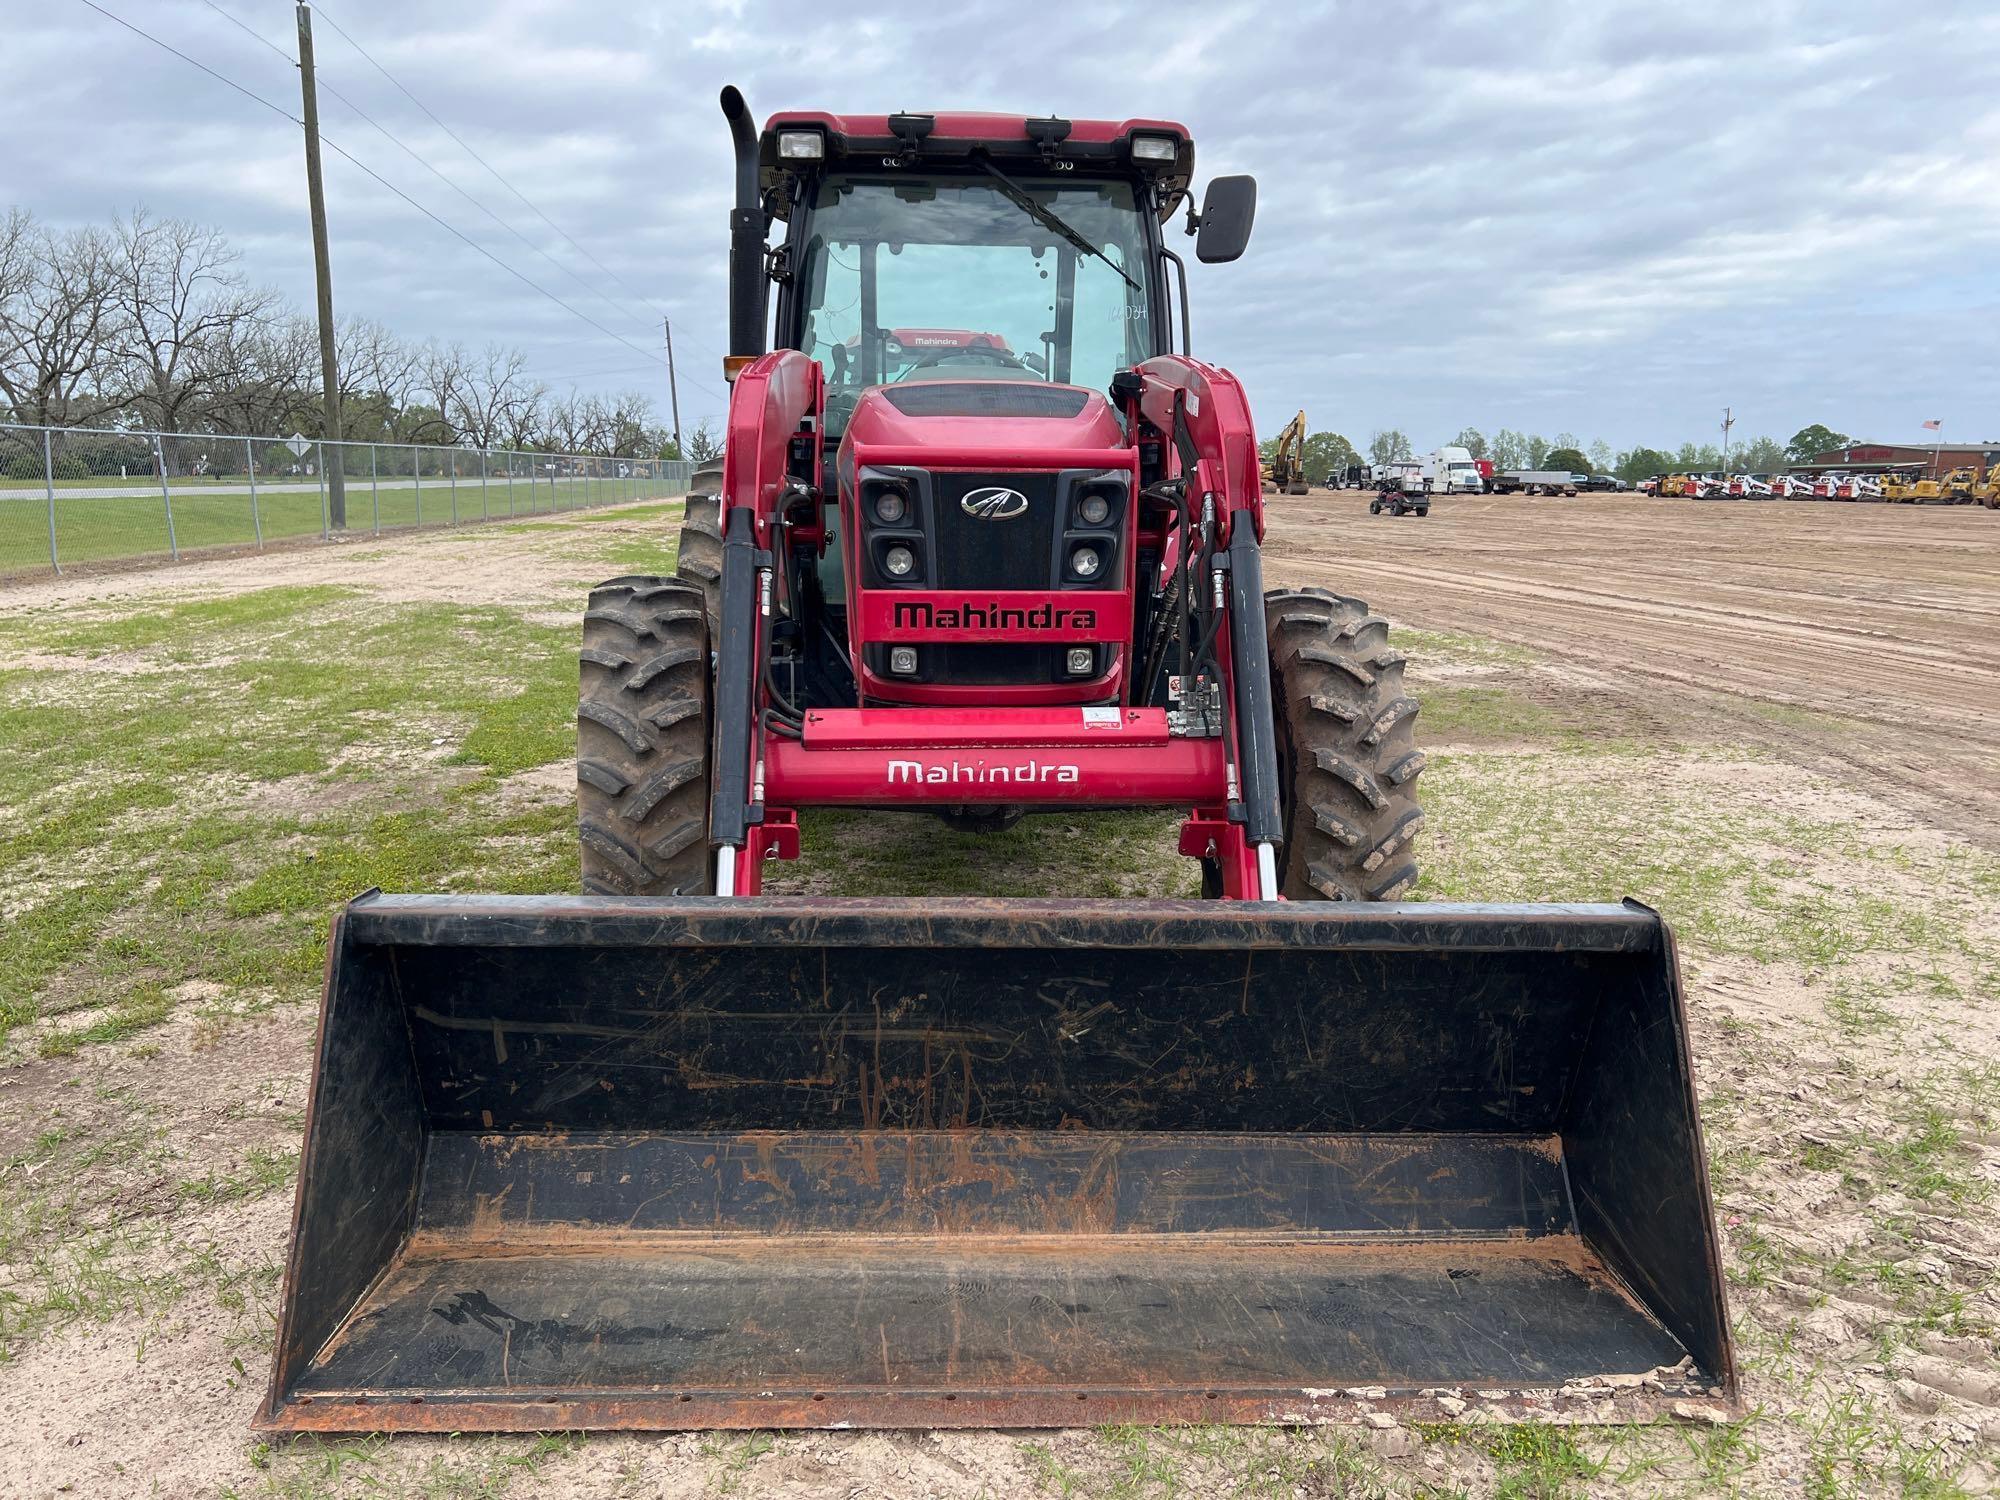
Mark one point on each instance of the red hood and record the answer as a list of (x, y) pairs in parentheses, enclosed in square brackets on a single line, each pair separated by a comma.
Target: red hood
[(969, 415)]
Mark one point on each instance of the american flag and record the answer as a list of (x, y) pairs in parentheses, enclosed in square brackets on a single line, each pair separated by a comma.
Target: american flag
[(1936, 424)]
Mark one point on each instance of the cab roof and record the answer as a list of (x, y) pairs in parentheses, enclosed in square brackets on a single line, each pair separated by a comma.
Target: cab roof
[(1019, 143)]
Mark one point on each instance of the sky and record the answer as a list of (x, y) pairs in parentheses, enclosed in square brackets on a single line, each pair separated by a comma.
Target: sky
[(1611, 219)]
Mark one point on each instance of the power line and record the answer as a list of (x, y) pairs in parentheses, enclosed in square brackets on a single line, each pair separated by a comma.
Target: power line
[(418, 157), (499, 177), (349, 39), (355, 161)]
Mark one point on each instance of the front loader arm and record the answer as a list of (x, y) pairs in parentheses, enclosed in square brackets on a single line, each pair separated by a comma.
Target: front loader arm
[(1203, 413), (769, 407), (1217, 414)]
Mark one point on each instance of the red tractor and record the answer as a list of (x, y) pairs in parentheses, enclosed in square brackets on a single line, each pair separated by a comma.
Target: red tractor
[(676, 1153), (937, 573)]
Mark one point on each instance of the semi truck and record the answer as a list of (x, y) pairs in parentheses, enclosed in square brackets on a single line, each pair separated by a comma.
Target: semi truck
[(1452, 471)]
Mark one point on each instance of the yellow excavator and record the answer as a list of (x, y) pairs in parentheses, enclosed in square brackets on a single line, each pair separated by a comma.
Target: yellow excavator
[(1285, 470), (1987, 491), (1960, 485)]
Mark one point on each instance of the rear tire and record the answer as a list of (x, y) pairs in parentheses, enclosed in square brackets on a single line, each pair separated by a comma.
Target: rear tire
[(1347, 756), (642, 738), (700, 559)]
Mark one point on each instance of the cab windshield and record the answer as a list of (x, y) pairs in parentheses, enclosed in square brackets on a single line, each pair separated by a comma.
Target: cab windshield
[(950, 279)]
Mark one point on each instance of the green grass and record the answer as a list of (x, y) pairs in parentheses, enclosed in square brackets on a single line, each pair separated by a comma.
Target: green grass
[(1455, 714), (139, 824), (133, 525)]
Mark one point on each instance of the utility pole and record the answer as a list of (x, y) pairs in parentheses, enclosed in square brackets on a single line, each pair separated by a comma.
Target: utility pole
[(329, 374), (1728, 421), (673, 387)]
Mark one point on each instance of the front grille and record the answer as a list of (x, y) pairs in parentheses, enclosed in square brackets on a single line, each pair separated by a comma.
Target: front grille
[(982, 552), (978, 663)]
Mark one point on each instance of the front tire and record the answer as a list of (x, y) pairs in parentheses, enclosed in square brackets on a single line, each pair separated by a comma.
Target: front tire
[(700, 558), (642, 740), (1347, 757)]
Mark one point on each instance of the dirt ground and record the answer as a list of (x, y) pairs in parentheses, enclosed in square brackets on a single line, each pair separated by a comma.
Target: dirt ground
[(1862, 641), (1780, 723)]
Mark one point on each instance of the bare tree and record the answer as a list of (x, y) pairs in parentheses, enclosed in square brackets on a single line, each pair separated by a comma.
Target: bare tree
[(58, 317), (185, 318), (377, 370), (523, 415), (701, 443), (277, 387), (485, 397), (627, 432), (564, 420), (442, 378)]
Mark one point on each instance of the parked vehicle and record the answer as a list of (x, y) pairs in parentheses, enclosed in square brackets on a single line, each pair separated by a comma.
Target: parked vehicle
[(1405, 474), (1534, 482), (1451, 471), (1395, 502), (1285, 472), (1604, 483)]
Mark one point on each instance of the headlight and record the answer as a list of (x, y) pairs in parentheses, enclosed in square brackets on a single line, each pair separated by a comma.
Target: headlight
[(1155, 148), (1081, 660), (899, 561), (1095, 510), (1084, 562), (801, 145), (903, 660), (891, 507)]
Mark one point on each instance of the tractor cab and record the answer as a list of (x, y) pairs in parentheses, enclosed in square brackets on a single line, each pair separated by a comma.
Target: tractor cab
[(970, 285)]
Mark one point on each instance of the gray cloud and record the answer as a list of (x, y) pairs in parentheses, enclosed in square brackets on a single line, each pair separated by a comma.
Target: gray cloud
[(1606, 218)]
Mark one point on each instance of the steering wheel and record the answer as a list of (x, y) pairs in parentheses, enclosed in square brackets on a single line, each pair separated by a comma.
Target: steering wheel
[(981, 351)]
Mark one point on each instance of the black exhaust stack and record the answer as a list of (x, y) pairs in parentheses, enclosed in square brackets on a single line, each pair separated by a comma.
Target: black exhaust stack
[(747, 225)]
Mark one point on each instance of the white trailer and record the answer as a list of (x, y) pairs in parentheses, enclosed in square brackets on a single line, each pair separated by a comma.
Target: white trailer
[(1535, 482)]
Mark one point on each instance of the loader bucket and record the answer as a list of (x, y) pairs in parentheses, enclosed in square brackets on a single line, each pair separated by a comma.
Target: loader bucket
[(589, 1163)]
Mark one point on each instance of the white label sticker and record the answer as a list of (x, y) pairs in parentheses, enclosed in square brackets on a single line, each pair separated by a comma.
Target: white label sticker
[(1193, 404), (1100, 718)]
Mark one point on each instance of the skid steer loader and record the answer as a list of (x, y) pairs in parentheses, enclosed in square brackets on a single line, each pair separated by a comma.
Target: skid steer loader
[(677, 1154)]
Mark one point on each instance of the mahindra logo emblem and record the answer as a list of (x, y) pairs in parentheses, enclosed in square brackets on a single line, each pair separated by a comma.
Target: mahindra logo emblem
[(994, 503)]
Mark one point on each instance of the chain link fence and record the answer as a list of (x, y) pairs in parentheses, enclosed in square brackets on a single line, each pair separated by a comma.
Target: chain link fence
[(76, 495)]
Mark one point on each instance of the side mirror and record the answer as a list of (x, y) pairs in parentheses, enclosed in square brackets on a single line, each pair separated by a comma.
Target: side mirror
[(1227, 211), (1036, 363)]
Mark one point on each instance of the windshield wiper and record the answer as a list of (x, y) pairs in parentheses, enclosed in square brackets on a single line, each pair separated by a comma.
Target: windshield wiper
[(1046, 217)]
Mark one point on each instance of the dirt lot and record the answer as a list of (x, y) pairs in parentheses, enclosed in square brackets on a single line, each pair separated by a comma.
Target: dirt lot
[(1779, 723)]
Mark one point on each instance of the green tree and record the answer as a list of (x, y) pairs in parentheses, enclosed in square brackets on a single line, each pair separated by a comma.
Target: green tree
[(1510, 450), (1759, 456), (1538, 451), (1642, 463), (1569, 460), (1389, 447), (1601, 457), (1472, 440), (1328, 453), (1809, 442)]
